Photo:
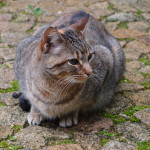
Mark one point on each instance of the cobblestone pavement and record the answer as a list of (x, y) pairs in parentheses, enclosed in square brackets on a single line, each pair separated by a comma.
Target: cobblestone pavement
[(123, 126)]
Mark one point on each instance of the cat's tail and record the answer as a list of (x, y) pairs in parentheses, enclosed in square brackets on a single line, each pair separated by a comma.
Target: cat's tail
[(23, 101)]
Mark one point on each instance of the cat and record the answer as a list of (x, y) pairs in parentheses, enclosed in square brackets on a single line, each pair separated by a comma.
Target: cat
[(72, 65)]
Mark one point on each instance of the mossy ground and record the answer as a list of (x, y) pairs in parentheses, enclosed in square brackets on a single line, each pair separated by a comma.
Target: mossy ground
[(15, 87)]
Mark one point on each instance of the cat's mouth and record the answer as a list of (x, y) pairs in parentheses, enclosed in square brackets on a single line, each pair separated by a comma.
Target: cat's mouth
[(80, 78)]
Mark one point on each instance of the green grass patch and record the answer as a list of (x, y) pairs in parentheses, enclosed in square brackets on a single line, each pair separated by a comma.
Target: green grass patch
[(125, 80), (146, 75), (115, 118), (110, 6), (66, 141), (2, 104), (146, 85), (138, 13), (15, 87), (123, 25), (104, 141), (4, 144), (126, 39), (30, 31), (107, 134), (145, 60), (143, 145), (17, 128), (12, 138), (3, 4), (131, 110)]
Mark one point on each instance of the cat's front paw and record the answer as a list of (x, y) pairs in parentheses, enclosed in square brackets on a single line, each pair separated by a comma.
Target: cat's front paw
[(34, 118), (69, 120)]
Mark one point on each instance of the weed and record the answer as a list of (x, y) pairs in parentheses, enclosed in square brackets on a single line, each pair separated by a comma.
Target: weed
[(123, 25), (104, 141), (131, 110), (36, 12), (143, 145), (110, 6), (146, 75), (3, 4), (17, 128), (15, 87), (145, 60), (124, 80), (2, 104), (146, 85), (66, 141)]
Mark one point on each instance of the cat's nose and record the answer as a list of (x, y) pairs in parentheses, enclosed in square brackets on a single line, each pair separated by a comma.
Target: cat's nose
[(87, 69)]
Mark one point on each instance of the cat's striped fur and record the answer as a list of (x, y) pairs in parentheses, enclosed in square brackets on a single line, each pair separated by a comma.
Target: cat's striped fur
[(68, 66)]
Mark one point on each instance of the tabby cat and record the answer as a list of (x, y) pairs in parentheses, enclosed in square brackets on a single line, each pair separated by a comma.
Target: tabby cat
[(67, 67)]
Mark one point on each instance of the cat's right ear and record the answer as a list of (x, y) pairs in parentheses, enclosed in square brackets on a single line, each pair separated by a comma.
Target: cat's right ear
[(50, 39)]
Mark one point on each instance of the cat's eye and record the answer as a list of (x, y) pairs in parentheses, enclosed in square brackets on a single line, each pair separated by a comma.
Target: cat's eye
[(73, 61), (90, 56)]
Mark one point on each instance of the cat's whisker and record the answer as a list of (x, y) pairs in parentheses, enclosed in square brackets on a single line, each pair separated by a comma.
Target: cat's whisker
[(65, 88)]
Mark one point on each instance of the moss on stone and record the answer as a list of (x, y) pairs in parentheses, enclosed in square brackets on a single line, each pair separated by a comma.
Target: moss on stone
[(146, 75), (17, 128), (125, 80), (123, 25), (131, 110), (110, 6), (2, 104), (4, 144), (115, 118), (15, 87), (66, 141), (143, 145), (146, 85), (104, 141), (126, 39), (3, 4), (145, 60)]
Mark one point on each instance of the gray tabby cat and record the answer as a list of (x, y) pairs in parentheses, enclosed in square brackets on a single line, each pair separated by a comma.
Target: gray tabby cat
[(67, 67)]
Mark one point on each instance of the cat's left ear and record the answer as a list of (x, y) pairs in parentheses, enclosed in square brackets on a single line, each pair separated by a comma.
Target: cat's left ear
[(80, 25)]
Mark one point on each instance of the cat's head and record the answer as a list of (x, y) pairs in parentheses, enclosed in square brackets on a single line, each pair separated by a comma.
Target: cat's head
[(65, 54)]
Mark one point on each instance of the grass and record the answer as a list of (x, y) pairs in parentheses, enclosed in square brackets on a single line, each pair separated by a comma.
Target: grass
[(138, 13), (15, 87), (146, 85), (3, 3), (131, 110), (146, 75), (30, 31), (107, 134), (17, 128), (125, 80), (115, 118), (110, 6), (143, 145), (4, 144), (66, 141), (2, 104), (36, 12), (123, 25), (145, 60), (104, 141), (126, 39)]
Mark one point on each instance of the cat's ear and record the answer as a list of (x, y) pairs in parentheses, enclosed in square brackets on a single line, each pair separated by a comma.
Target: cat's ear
[(51, 38), (80, 25)]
